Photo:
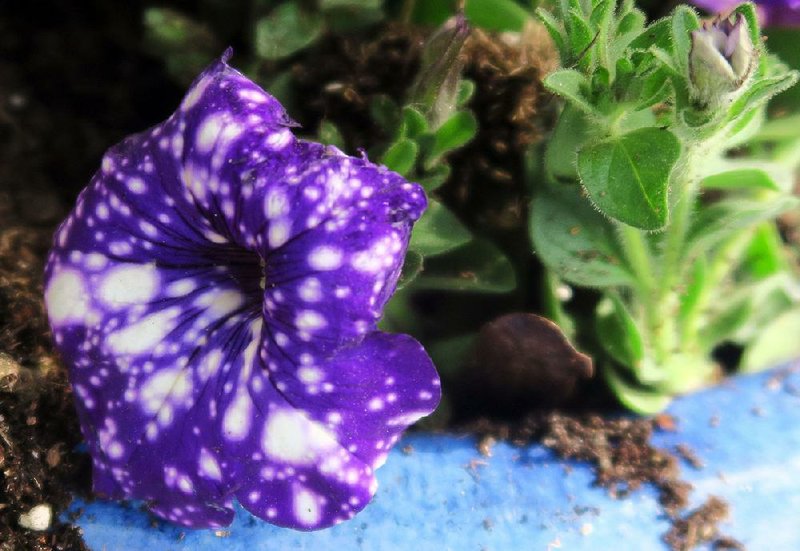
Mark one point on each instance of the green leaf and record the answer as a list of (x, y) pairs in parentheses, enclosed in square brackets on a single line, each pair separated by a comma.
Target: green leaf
[(413, 122), (438, 231), (576, 241), (692, 293), (570, 134), (401, 156), (554, 29), (617, 332), (627, 178), (350, 4), (570, 84), (745, 178), (496, 15), (285, 31), (656, 34), (656, 88), (684, 21), (477, 266), (724, 323), (630, 27), (435, 177), (635, 397), (456, 131), (466, 89), (748, 9), (715, 223), (760, 92), (412, 267), (774, 344), (580, 37), (186, 45), (765, 253), (386, 113), (330, 135), (451, 354)]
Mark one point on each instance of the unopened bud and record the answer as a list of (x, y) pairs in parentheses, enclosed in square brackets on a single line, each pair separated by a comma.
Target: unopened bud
[(436, 87), (722, 58)]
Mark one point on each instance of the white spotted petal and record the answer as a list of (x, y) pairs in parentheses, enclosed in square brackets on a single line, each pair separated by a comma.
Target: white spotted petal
[(215, 294)]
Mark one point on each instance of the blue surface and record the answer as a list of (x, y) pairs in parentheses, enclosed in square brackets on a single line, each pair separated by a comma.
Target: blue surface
[(443, 495)]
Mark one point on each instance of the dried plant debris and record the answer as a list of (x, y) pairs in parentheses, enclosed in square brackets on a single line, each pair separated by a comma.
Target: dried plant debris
[(38, 469), (624, 460), (701, 526), (513, 111), (338, 79)]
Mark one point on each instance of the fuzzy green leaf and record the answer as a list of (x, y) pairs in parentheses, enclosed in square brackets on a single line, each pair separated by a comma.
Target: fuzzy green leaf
[(286, 30), (765, 254), (412, 267), (576, 241), (760, 92), (684, 21), (466, 89), (330, 135), (617, 331), (477, 266), (401, 156), (721, 220), (774, 344), (570, 84), (554, 29), (724, 323), (496, 15), (656, 34), (627, 178), (745, 178), (456, 132), (634, 397), (413, 122), (568, 137), (438, 231), (386, 113)]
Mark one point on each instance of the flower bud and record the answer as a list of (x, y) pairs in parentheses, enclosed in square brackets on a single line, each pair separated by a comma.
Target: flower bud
[(721, 59), (436, 86)]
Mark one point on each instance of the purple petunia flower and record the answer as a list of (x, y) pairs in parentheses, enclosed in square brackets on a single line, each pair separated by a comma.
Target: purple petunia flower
[(215, 293), (773, 13)]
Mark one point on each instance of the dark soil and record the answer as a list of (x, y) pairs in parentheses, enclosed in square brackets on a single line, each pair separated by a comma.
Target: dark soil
[(76, 86), (624, 460)]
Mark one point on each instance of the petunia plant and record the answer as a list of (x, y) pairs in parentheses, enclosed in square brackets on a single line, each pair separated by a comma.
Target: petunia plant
[(215, 293), (645, 200)]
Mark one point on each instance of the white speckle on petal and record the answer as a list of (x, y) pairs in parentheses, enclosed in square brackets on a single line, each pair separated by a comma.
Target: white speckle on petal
[(325, 258), (309, 320), (209, 466), (209, 131), (306, 507), (66, 297), (143, 335), (238, 416), (129, 284), (291, 436)]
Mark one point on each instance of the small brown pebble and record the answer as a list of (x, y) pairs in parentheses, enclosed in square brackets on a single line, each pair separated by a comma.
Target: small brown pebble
[(726, 543), (408, 449), (689, 456), (54, 456), (713, 422), (485, 446), (665, 422)]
